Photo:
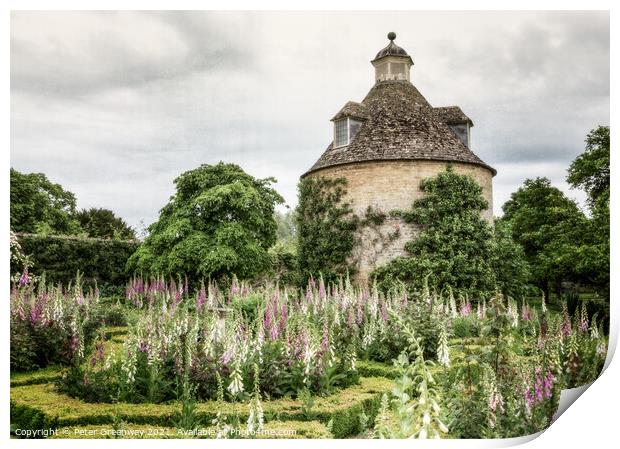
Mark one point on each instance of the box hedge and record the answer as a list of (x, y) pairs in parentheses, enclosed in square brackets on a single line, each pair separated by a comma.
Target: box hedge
[(36, 404)]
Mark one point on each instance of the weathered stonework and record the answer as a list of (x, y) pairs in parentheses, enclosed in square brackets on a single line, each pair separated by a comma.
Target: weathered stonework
[(393, 185)]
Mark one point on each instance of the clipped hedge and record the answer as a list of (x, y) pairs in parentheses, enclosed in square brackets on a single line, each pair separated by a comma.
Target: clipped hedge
[(60, 257), (46, 375), (341, 410), (370, 368), (24, 417)]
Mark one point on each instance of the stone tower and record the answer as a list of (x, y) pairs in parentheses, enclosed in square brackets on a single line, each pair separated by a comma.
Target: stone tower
[(385, 145)]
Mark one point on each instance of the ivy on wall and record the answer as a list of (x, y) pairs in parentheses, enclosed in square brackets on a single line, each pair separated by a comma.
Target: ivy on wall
[(326, 228), (374, 234), (454, 248)]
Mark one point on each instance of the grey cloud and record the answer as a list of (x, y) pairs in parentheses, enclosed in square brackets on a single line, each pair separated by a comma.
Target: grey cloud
[(104, 54), (114, 106)]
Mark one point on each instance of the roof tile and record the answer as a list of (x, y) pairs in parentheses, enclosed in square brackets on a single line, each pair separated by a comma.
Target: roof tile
[(400, 124)]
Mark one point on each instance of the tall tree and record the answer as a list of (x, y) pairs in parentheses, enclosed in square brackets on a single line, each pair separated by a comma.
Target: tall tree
[(550, 227), (40, 206), (219, 222), (102, 223), (287, 228), (590, 171), (511, 270)]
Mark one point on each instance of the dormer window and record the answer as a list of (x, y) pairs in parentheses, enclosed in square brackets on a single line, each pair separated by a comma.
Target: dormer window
[(457, 121), (345, 130)]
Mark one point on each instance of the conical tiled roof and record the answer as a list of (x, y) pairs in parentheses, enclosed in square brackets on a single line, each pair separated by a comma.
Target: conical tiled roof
[(400, 125)]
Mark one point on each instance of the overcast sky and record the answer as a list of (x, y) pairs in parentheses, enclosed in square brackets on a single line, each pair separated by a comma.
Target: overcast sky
[(114, 106)]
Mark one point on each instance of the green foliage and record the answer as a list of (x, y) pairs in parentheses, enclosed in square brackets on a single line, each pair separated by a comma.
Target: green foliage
[(590, 171), (465, 327), (415, 398), (550, 228), (60, 257), (326, 229), (466, 399), (187, 418), (370, 368), (509, 265), (24, 347), (220, 222), (342, 409), (53, 325), (454, 248), (286, 233), (40, 206), (284, 264), (102, 223), (28, 418)]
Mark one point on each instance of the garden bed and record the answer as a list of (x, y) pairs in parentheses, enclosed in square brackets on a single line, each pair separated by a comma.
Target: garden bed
[(38, 405)]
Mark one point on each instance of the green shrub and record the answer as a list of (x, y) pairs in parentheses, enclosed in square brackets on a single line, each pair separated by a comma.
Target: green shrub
[(110, 314), (50, 325), (24, 417), (23, 347), (284, 265), (465, 327)]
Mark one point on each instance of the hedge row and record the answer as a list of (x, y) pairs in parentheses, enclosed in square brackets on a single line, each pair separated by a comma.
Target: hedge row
[(60, 257), (39, 406)]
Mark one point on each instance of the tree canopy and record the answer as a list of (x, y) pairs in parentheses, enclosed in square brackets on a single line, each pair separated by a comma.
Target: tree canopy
[(591, 172), (219, 222), (102, 223), (41, 206), (511, 270), (550, 227), (287, 228)]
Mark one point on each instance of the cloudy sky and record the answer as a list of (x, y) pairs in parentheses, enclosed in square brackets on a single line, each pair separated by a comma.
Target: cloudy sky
[(114, 106)]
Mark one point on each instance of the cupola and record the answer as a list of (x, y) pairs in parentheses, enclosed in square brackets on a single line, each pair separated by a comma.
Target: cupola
[(392, 62)]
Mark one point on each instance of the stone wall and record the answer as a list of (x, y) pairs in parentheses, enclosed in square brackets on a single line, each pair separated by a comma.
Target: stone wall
[(390, 185)]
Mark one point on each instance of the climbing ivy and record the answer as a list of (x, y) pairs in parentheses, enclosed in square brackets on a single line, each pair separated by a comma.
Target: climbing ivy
[(326, 228), (454, 246)]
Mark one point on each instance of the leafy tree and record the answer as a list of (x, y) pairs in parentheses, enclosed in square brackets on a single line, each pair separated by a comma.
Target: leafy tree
[(284, 263), (591, 172), (40, 206), (454, 247), (326, 229), (287, 228), (220, 222), (509, 265), (550, 228), (102, 223)]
